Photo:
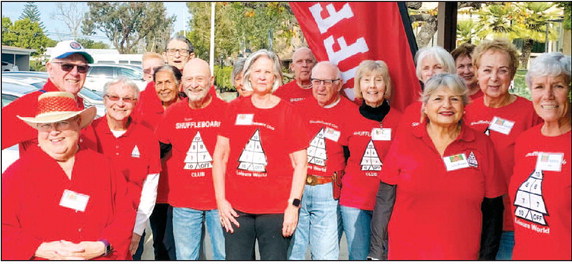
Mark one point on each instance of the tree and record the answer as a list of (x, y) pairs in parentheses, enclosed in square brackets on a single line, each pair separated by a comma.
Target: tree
[(6, 25), (71, 14), (32, 12), (126, 23), (25, 34), (92, 44), (567, 7)]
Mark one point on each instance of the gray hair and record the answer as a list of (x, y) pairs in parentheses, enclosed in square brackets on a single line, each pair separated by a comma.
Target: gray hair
[(168, 68), (451, 81), (276, 67), (548, 64), (237, 69), (125, 82), (440, 54), (338, 73), (183, 39)]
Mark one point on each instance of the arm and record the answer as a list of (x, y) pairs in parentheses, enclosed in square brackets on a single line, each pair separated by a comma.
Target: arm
[(146, 206), (381, 214), (220, 159), (299, 159), (492, 209)]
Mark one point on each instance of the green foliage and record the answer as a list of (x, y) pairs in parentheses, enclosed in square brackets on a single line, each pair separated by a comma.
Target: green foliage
[(32, 12), (222, 77), (519, 85), (25, 34), (92, 44), (6, 25), (127, 23), (37, 65), (567, 6)]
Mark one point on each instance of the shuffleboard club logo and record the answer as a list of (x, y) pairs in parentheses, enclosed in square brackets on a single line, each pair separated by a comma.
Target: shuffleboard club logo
[(75, 45)]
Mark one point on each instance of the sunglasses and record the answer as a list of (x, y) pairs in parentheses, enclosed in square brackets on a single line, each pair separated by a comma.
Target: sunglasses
[(69, 67)]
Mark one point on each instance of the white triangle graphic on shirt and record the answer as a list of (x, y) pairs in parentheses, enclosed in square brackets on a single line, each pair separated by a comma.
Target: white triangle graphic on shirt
[(135, 152)]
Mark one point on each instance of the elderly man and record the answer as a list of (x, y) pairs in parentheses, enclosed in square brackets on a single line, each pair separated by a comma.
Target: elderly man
[(326, 115), (150, 61), (190, 129), (178, 52), (133, 147), (303, 61), (67, 70)]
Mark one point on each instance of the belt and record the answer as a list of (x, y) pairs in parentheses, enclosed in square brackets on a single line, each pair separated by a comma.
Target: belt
[(313, 180)]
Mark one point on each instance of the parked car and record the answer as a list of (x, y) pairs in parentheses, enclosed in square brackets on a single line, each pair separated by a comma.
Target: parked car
[(100, 74)]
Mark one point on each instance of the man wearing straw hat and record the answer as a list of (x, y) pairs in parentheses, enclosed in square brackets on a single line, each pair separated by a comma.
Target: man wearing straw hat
[(62, 200), (67, 70)]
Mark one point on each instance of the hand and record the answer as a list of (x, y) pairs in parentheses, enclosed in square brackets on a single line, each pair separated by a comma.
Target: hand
[(58, 250), (227, 216), (91, 249), (134, 243), (290, 220)]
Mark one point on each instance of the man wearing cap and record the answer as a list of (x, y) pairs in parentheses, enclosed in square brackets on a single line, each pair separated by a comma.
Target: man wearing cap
[(67, 70), (303, 61), (189, 129), (63, 200)]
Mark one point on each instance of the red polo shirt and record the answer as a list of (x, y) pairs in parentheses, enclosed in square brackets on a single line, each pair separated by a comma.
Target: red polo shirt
[(292, 92), (192, 134), (437, 213)]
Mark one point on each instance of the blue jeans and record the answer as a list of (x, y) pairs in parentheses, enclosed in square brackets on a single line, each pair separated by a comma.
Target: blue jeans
[(187, 230), (317, 225), (357, 225), (506, 246)]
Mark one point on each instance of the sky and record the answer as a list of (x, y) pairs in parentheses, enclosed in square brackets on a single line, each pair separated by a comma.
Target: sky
[(56, 29)]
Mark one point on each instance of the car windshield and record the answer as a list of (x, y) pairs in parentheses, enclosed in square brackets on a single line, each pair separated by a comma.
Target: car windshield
[(91, 94)]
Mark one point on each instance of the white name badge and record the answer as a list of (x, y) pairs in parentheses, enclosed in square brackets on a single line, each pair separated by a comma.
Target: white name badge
[(456, 162), (244, 119), (383, 134), (332, 134), (549, 161), (501, 125), (74, 200)]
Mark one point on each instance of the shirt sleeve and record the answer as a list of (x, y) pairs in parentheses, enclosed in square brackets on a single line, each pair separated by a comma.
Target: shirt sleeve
[(298, 140), (162, 131), (147, 202), (19, 131), (228, 121)]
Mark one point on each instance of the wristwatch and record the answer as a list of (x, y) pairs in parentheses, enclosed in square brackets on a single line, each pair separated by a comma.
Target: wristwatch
[(108, 247), (295, 202)]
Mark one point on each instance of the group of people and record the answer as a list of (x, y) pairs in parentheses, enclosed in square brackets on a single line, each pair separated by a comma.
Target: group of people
[(469, 171)]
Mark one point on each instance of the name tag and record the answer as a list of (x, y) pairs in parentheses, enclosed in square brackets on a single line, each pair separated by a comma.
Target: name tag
[(383, 134), (74, 200), (244, 119), (549, 161), (501, 125), (332, 134), (456, 162)]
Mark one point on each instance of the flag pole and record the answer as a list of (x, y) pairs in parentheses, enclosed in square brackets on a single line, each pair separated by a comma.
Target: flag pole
[(211, 52)]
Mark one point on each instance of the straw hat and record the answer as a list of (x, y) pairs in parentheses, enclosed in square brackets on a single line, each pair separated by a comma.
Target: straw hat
[(58, 106)]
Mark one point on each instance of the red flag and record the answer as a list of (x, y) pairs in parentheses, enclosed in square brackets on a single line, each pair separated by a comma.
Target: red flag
[(346, 33)]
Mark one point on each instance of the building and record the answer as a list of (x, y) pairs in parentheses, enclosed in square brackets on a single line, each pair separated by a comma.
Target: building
[(16, 59)]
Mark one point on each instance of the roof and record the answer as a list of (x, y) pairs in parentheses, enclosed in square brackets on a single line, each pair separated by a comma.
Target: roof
[(16, 50)]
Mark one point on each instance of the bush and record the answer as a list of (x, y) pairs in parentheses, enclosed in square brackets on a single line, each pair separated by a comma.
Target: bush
[(222, 78)]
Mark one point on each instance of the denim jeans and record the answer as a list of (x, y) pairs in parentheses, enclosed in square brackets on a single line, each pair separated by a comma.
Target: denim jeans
[(162, 226), (506, 246), (357, 225), (187, 230), (317, 225)]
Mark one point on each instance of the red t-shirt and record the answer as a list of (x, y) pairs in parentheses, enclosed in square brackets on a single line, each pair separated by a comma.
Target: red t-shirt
[(149, 109), (135, 153), (480, 117), (32, 189), (367, 155), (259, 170), (437, 213), (476, 95), (326, 128), (192, 134), (292, 92), (411, 117), (541, 202)]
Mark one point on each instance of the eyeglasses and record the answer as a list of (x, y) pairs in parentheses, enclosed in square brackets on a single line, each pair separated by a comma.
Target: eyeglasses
[(328, 83), (67, 67), (184, 52), (61, 125), (115, 98)]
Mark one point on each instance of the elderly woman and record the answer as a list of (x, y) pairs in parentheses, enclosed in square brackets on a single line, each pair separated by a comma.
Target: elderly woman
[(368, 143), (264, 164), (429, 61), (465, 69), (540, 186), (440, 174), (237, 80), (63, 201), (500, 115)]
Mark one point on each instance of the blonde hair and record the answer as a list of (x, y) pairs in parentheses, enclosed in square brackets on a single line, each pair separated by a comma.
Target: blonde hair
[(371, 66), (497, 45), (276, 67), (152, 55)]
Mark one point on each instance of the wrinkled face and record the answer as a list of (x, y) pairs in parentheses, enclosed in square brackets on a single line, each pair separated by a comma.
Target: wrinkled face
[(262, 75), (197, 81), (372, 86), (444, 108), (550, 97), (494, 74), (429, 67), (239, 85), (148, 66), (302, 63), (68, 81), (325, 84), (465, 70), (59, 140), (178, 53), (166, 86), (119, 101)]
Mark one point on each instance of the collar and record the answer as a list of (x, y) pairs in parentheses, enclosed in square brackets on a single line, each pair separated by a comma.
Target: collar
[(467, 134), (332, 105), (374, 113)]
